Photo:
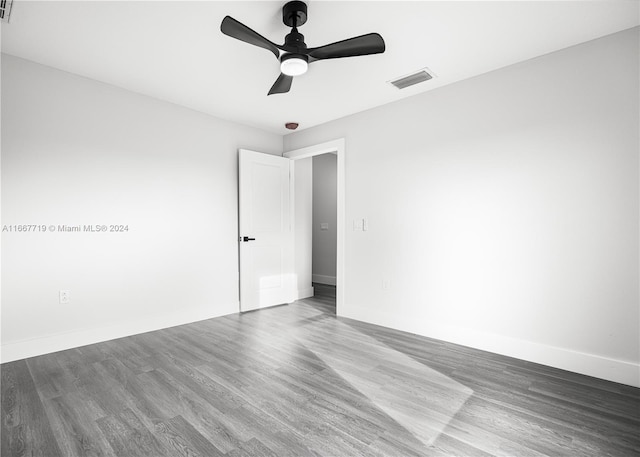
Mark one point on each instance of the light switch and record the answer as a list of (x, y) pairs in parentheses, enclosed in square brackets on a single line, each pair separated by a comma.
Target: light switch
[(365, 224), (324, 226)]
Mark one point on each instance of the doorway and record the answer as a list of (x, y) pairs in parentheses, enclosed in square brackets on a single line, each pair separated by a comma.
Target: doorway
[(324, 225), (303, 237)]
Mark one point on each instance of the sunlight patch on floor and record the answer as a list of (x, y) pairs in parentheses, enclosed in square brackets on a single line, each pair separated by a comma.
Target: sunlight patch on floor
[(420, 399)]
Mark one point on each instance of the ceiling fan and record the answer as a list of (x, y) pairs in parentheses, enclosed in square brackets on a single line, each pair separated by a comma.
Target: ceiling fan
[(294, 55)]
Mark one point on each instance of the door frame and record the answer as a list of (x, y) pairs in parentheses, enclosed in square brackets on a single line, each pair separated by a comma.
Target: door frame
[(336, 147)]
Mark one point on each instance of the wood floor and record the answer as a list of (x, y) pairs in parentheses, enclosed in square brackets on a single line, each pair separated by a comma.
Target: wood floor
[(296, 380)]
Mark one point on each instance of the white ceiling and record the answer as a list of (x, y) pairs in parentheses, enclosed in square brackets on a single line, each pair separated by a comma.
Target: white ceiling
[(175, 51)]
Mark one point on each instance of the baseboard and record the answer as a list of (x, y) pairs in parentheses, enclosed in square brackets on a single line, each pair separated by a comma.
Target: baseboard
[(17, 350), (322, 279), (619, 371), (304, 293)]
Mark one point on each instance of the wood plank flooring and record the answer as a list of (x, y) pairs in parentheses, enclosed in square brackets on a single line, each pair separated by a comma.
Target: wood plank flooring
[(296, 380)]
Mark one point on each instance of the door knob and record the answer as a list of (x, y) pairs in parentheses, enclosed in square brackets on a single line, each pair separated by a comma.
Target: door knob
[(246, 238)]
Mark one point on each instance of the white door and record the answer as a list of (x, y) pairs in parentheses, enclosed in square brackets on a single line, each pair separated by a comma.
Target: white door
[(266, 236)]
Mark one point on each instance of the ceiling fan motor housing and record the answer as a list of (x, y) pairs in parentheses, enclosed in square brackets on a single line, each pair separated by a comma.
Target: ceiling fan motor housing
[(295, 40), (294, 56)]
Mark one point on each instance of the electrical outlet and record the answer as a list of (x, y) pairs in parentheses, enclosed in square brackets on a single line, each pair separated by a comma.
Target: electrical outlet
[(386, 284), (65, 297)]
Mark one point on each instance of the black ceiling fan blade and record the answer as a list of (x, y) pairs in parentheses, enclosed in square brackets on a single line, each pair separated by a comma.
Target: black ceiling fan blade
[(241, 32), (372, 43), (282, 84)]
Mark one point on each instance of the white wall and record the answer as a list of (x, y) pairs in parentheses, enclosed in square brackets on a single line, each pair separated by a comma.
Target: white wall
[(303, 200), (503, 210), (75, 151), (324, 211)]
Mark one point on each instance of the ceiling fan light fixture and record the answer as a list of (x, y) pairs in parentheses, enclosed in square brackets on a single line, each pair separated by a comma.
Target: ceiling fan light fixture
[(294, 64)]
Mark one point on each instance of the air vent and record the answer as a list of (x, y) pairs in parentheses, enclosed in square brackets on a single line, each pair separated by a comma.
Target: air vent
[(419, 76), (5, 10)]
